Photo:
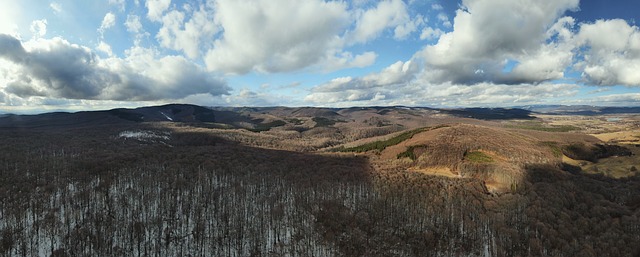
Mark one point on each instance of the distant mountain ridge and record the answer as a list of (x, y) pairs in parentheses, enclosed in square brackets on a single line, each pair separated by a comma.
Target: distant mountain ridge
[(169, 112), (580, 109), (233, 115)]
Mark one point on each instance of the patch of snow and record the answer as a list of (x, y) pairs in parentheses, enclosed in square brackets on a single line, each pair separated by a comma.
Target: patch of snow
[(166, 116), (144, 135)]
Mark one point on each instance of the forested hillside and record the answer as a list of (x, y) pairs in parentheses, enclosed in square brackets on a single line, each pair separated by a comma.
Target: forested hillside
[(160, 189)]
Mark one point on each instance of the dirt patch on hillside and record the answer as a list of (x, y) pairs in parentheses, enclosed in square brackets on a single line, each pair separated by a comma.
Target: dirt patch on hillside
[(437, 171)]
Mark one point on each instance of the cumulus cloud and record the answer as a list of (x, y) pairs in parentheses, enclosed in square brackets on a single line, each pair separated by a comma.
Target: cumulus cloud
[(39, 28), (490, 58), (244, 97), (372, 22), (275, 35), (105, 48), (107, 22), (549, 61), (35, 70), (613, 59), (444, 19), (402, 31), (489, 50), (187, 36), (487, 32), (156, 8), (133, 24), (343, 60), (397, 73), (11, 48), (268, 36), (429, 33), (618, 99), (419, 91), (369, 87), (145, 76)]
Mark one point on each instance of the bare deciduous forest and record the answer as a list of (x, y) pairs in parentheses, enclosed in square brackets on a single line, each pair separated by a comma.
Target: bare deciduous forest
[(166, 189)]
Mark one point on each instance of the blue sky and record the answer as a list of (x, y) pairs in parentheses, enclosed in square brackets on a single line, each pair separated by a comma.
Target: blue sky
[(79, 55)]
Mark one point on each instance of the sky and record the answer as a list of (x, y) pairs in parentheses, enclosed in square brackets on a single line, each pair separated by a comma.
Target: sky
[(87, 55)]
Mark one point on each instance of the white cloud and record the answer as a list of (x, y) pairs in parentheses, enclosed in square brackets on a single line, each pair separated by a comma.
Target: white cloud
[(245, 93), (156, 8), (429, 33), (39, 28), (466, 66), (187, 36), (146, 76), (244, 97), (133, 24), (107, 22), (275, 35), (105, 48), (399, 72), (444, 19), (31, 69), (402, 31), (56, 7), (618, 99), (613, 59), (493, 48), (600, 90), (236, 37), (392, 77), (420, 92), (346, 60), (487, 32), (372, 22), (548, 61), (618, 32), (363, 60)]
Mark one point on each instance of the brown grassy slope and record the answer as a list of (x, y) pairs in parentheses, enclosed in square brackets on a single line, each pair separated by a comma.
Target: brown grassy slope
[(560, 137), (495, 155), (447, 146)]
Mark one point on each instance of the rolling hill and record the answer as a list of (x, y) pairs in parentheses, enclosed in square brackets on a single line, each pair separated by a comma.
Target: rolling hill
[(279, 181)]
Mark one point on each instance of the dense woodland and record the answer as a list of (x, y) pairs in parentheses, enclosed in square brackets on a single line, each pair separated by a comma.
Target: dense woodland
[(89, 192)]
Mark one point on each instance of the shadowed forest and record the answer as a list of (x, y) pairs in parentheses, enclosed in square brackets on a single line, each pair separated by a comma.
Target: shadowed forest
[(307, 186)]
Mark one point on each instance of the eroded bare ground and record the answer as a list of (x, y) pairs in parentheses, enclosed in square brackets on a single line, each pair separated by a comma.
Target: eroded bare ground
[(321, 182)]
